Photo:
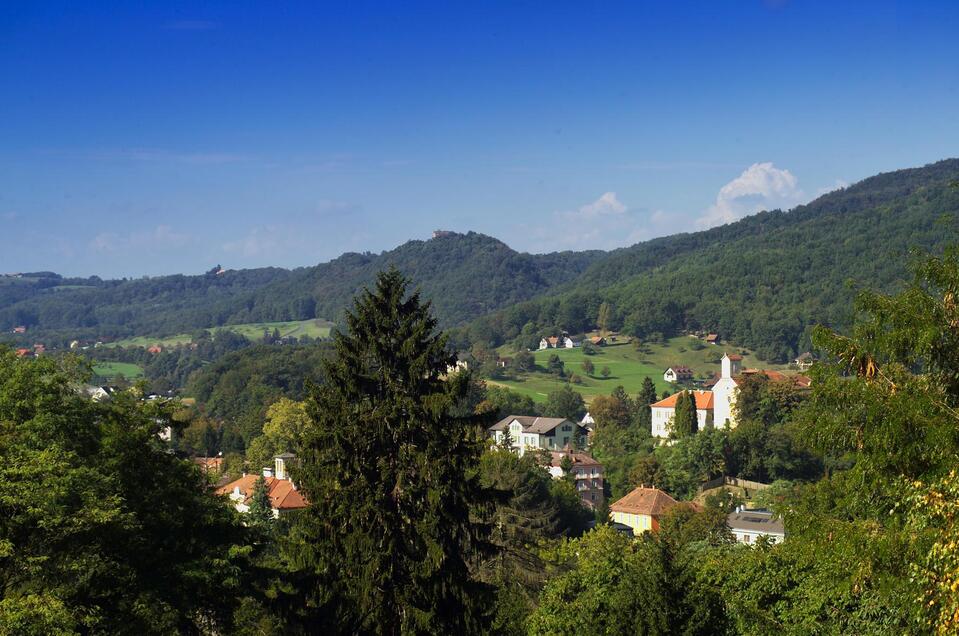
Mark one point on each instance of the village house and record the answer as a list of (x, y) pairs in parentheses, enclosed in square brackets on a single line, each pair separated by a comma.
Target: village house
[(155, 349), (598, 341), (209, 465), (712, 338), (532, 433), (641, 509), (587, 475), (20, 329), (551, 342), (24, 353), (678, 374), (664, 410), (587, 422), (804, 361), (99, 393), (569, 343), (284, 497), (503, 363), (748, 526)]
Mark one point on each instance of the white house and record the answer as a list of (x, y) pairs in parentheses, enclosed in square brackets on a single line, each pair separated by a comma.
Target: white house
[(678, 374), (569, 343), (664, 410), (587, 422), (551, 342), (725, 390), (749, 525), (804, 361), (531, 433)]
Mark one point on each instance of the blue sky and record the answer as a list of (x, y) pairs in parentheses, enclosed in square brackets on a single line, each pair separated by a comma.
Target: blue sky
[(148, 138)]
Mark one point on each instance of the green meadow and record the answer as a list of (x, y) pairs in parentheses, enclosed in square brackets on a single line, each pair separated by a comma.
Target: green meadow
[(628, 367), (253, 331), (111, 370)]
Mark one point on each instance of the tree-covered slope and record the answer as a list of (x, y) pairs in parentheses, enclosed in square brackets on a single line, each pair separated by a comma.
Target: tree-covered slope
[(762, 281), (465, 275)]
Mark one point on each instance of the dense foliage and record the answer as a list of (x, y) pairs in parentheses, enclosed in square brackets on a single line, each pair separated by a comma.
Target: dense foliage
[(102, 530)]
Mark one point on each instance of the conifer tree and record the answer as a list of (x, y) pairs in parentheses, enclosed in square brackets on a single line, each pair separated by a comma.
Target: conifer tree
[(388, 541), (647, 396), (684, 423), (261, 510)]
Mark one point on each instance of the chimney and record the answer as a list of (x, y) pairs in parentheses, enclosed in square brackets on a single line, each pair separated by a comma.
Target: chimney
[(267, 472), (280, 468)]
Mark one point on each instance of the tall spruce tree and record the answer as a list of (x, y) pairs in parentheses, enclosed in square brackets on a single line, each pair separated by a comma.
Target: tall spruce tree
[(647, 396), (387, 544), (685, 423)]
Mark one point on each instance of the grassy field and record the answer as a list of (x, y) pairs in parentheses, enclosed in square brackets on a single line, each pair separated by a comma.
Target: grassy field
[(628, 367), (253, 331), (111, 370)]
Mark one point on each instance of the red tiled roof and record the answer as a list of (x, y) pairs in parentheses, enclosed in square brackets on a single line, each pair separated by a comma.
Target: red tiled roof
[(283, 496), (704, 400), (579, 459), (734, 356), (644, 501)]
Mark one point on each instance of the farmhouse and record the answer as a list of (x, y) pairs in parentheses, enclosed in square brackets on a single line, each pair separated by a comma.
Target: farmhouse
[(549, 343), (642, 509), (531, 433), (282, 492), (678, 374), (20, 329), (598, 341), (569, 343), (712, 338), (664, 410)]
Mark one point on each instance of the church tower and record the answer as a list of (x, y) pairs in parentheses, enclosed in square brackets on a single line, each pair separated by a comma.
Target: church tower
[(724, 391)]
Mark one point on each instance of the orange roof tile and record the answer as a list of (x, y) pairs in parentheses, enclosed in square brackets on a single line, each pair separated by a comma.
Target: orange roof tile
[(704, 400), (283, 496), (644, 501)]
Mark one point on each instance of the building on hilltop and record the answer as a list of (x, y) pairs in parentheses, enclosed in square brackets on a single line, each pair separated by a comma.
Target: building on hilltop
[(533, 433)]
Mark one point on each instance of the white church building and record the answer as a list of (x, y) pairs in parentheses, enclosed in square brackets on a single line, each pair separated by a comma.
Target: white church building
[(716, 406)]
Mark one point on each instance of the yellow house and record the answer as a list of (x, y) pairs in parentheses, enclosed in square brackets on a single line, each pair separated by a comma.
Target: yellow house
[(641, 509)]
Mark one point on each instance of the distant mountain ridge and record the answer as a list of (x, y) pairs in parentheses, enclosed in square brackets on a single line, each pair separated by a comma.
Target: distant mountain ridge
[(761, 281), (465, 275)]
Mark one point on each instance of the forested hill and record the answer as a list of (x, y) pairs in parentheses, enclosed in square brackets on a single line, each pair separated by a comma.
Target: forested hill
[(465, 275), (762, 282)]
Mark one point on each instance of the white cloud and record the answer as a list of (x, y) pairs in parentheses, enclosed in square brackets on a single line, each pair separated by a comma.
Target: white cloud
[(605, 223), (162, 236), (761, 186), (605, 205)]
